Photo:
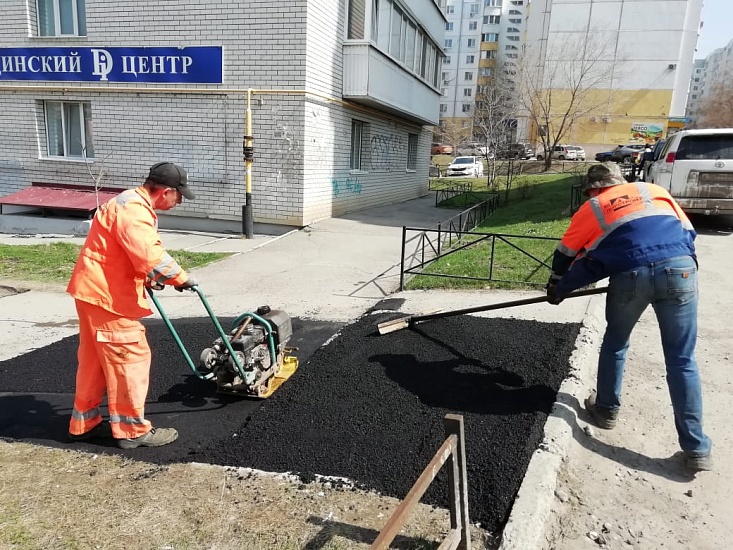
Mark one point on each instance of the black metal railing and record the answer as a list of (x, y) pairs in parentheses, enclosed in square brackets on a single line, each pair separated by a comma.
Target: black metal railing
[(431, 246)]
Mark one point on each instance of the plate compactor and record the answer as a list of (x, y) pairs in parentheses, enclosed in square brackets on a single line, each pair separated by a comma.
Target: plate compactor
[(252, 360)]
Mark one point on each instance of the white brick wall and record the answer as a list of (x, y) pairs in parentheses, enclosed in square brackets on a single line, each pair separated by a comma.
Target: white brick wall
[(302, 143)]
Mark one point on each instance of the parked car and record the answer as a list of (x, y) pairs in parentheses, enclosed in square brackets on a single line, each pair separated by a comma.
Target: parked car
[(441, 149), (696, 167), (622, 153), (560, 152), (515, 151), (579, 152), (471, 167), (649, 157)]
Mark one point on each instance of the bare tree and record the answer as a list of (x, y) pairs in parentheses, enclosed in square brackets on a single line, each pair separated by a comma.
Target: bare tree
[(494, 117), (563, 80), (717, 110)]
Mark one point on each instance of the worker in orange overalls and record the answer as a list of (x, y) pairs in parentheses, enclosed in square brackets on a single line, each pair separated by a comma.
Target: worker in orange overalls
[(121, 256), (638, 236)]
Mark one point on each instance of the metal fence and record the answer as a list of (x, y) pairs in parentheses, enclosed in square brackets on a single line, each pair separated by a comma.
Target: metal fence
[(429, 247), (453, 453)]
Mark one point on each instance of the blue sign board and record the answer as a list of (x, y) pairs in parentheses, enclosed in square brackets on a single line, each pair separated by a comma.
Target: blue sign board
[(170, 65)]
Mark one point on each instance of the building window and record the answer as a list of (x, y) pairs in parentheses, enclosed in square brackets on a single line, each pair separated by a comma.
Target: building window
[(466, 108), (492, 3), (490, 37), (468, 77), (471, 42), (489, 54), (515, 12), (448, 43), (62, 18), (510, 47), (446, 60), (494, 19), (513, 38), (357, 18), (69, 129), (516, 21), (485, 71), (443, 108), (473, 10), (357, 134), (450, 9), (411, 151), (473, 25), (470, 59), (512, 29), (449, 26), (467, 92)]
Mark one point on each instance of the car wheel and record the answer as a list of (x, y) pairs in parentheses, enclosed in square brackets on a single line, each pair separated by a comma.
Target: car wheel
[(626, 159), (561, 157), (539, 157)]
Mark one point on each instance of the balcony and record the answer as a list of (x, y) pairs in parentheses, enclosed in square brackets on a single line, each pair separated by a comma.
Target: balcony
[(373, 79)]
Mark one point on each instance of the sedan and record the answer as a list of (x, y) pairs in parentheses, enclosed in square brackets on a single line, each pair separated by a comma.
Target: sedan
[(622, 153), (471, 167)]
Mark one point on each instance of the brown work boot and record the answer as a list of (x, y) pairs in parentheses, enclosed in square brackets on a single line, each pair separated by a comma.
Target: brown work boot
[(603, 418), (156, 437)]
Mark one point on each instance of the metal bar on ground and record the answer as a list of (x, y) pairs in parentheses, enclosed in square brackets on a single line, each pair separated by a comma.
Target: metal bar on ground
[(398, 518)]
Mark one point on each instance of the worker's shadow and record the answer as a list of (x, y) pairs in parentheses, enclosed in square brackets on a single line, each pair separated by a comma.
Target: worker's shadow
[(195, 393), (465, 384), (30, 417), (568, 408)]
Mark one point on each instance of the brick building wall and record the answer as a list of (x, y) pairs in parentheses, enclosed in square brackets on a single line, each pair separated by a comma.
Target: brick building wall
[(302, 141)]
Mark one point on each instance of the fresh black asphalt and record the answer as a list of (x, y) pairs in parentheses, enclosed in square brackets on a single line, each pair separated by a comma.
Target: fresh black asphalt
[(363, 406)]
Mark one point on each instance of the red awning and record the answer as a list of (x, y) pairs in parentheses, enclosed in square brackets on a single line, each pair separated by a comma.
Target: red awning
[(62, 198)]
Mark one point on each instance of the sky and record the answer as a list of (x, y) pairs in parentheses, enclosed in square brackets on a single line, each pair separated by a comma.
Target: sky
[(716, 31)]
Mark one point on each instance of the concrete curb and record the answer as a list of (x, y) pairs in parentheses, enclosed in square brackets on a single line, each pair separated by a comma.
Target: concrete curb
[(527, 525)]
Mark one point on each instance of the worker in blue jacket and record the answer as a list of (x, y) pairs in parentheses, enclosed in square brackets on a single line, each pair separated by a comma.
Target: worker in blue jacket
[(638, 236)]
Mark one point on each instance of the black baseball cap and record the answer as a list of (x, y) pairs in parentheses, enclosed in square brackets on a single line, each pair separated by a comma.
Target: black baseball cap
[(171, 175)]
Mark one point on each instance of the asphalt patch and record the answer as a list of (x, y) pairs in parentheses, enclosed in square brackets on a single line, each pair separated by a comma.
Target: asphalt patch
[(364, 407)]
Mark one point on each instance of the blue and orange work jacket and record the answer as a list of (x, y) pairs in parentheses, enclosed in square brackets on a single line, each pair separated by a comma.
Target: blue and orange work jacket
[(623, 227)]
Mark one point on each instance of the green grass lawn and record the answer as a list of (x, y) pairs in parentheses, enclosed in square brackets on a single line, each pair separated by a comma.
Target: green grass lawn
[(54, 262), (538, 206)]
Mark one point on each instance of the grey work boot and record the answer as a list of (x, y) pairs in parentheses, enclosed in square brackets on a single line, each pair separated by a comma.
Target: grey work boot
[(156, 437), (699, 463), (603, 418)]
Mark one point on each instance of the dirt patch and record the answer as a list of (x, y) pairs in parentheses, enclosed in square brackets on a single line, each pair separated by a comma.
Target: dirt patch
[(54, 499)]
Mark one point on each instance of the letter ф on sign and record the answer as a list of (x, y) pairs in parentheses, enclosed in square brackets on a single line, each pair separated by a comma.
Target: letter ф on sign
[(194, 65)]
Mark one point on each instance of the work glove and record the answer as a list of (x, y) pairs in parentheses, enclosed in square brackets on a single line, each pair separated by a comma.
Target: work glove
[(188, 285), (552, 296), (153, 285)]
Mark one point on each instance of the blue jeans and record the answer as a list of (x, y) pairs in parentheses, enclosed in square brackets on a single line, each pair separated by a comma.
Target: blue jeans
[(670, 286)]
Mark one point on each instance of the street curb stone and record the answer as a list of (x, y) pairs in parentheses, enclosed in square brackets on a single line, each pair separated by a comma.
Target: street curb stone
[(526, 527)]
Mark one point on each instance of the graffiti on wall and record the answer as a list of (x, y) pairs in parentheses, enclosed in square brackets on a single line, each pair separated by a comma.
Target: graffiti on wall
[(349, 185), (387, 151)]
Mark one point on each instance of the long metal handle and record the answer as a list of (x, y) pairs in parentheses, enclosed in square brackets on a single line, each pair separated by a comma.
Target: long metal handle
[(502, 305)]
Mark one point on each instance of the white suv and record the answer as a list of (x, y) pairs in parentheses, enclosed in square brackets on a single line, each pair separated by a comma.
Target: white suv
[(696, 167), (561, 152)]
